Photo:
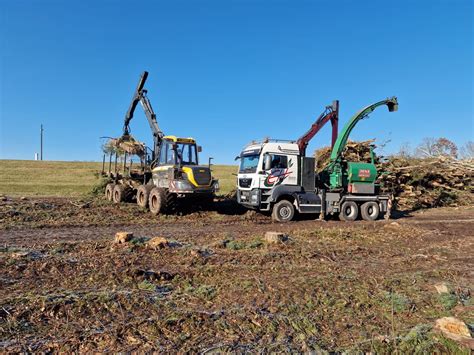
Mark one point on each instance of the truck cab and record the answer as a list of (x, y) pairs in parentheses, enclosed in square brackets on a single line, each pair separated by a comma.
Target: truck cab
[(177, 168), (271, 172)]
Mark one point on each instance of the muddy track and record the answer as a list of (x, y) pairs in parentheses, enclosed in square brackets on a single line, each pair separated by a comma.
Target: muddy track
[(186, 230), (447, 221)]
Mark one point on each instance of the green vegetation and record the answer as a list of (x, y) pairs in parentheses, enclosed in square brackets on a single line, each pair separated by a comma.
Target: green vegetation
[(227, 181), (45, 178), (233, 244), (70, 179), (146, 286), (398, 302), (448, 300)]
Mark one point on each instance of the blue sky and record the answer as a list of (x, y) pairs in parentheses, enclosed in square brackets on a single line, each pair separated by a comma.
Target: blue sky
[(228, 72)]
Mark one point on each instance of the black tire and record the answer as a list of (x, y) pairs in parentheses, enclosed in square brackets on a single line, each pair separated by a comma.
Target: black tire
[(370, 211), (109, 191), (349, 211), (171, 203), (143, 194), (283, 211), (157, 200), (206, 202), (129, 194), (119, 193)]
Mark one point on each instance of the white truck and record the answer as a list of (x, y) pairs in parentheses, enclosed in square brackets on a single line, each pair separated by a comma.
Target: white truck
[(275, 176)]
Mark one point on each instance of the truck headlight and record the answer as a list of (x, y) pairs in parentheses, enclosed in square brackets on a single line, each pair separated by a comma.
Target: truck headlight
[(216, 185), (254, 196)]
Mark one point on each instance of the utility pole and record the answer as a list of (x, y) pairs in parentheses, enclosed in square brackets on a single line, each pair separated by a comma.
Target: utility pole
[(41, 142)]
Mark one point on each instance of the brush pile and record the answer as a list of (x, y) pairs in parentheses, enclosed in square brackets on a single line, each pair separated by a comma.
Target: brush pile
[(427, 182), (354, 151), (126, 144), (414, 182)]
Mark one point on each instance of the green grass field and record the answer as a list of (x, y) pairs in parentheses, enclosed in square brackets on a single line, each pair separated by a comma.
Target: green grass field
[(70, 179)]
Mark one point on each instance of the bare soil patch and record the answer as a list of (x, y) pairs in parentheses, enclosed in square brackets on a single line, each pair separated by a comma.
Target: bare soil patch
[(218, 285)]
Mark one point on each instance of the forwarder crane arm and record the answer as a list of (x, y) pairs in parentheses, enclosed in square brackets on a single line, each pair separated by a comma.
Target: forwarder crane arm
[(331, 113), (341, 141), (140, 95)]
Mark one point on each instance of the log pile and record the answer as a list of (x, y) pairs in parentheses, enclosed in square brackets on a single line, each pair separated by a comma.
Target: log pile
[(425, 183), (414, 182)]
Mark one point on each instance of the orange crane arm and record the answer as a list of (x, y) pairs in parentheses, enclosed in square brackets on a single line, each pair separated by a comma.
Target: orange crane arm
[(331, 113)]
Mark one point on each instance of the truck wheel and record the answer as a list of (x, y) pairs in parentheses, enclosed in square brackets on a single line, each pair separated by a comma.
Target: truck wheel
[(143, 193), (370, 211), (157, 200), (283, 211), (109, 192), (349, 211), (119, 194)]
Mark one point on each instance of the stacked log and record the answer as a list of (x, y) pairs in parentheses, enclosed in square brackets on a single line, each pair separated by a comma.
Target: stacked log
[(414, 182), (424, 183)]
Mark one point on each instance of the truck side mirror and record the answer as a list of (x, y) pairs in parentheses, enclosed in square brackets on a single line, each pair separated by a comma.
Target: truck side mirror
[(267, 162), (199, 149)]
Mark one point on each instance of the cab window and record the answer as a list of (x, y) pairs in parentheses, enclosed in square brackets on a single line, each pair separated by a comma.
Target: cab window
[(187, 153), (170, 155), (175, 153), (162, 159), (279, 162), (167, 155)]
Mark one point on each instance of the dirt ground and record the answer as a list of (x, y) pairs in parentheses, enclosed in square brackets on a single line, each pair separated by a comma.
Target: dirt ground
[(219, 286)]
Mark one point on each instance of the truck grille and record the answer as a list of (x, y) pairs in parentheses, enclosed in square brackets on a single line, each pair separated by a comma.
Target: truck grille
[(202, 175), (245, 182)]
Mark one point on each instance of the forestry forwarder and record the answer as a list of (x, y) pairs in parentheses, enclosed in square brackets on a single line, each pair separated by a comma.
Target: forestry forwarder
[(170, 172)]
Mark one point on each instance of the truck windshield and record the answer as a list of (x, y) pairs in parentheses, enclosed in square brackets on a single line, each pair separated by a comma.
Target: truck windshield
[(249, 163)]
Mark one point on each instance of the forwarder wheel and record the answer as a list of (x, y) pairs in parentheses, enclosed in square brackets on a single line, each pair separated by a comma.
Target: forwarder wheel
[(109, 191), (370, 211), (171, 203), (143, 193), (283, 211), (349, 211), (206, 202), (121, 193), (157, 200)]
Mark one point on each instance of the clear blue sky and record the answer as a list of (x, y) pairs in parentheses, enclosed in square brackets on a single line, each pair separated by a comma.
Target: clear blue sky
[(227, 72)]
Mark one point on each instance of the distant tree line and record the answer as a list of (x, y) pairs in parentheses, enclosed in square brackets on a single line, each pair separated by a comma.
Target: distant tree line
[(438, 147)]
